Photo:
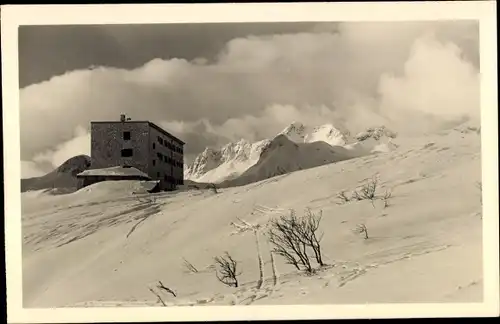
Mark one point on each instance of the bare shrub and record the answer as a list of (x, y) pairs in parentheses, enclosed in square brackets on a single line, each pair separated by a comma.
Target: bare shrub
[(189, 266), (309, 230), (341, 196), (226, 270), (285, 238), (386, 197), (361, 229), (356, 196), (293, 236), (286, 247), (369, 189)]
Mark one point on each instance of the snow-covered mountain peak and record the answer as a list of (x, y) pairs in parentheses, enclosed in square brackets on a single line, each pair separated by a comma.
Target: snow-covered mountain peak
[(295, 132), (375, 133), (232, 159), (238, 150), (299, 133), (205, 161)]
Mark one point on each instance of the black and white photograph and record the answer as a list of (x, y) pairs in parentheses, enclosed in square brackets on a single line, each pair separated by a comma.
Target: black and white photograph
[(313, 162)]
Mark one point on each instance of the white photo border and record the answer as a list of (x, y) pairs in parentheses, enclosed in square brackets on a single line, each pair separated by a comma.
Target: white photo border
[(15, 15)]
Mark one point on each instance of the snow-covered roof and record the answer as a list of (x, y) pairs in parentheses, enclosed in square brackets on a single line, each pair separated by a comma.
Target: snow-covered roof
[(117, 171)]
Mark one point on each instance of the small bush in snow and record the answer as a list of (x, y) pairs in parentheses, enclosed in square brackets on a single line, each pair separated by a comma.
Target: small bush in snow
[(361, 229), (226, 270), (368, 190), (386, 197), (293, 237), (342, 197)]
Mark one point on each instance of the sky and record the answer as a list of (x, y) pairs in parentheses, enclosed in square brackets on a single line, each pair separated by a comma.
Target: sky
[(210, 84)]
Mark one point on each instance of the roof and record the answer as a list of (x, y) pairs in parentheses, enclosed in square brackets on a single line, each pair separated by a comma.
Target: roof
[(117, 171), (151, 124)]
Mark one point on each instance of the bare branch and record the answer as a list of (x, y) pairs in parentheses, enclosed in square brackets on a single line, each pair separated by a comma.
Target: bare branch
[(189, 266), (226, 270), (341, 196), (361, 229), (161, 286), (292, 236), (158, 296)]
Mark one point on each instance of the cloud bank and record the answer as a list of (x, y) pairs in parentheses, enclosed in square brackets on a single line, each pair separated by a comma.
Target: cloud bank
[(356, 74)]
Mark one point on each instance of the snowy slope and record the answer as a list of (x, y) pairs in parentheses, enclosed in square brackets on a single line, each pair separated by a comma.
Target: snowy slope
[(105, 246)]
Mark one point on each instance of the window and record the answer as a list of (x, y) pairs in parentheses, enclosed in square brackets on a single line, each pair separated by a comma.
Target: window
[(126, 136), (160, 156), (154, 162), (127, 153), (154, 146), (160, 140), (157, 174)]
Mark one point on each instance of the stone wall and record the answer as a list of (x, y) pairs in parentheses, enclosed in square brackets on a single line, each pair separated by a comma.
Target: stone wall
[(107, 142)]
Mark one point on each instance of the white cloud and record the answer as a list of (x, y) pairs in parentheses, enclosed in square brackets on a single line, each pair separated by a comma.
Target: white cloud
[(80, 144), (436, 81), (30, 169), (348, 73)]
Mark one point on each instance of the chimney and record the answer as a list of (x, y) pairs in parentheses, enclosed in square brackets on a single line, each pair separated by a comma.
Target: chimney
[(122, 118)]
